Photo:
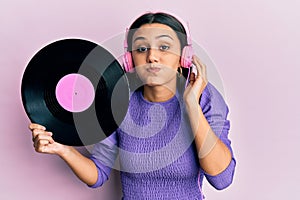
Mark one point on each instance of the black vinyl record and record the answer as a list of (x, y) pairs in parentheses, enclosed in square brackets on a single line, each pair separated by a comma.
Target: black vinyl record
[(99, 83)]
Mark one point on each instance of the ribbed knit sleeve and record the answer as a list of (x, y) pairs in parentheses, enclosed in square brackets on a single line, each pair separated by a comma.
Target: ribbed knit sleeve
[(224, 179), (215, 110), (104, 155)]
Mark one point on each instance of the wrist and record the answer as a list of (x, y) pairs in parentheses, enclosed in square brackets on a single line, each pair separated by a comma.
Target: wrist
[(63, 151), (192, 106)]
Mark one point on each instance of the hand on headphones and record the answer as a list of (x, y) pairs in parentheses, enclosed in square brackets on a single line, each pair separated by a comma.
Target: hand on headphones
[(197, 82)]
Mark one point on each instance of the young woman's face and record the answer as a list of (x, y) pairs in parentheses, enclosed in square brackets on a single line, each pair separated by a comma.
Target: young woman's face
[(156, 54)]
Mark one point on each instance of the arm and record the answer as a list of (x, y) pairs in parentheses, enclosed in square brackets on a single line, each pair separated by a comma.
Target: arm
[(210, 127), (104, 155), (215, 110), (214, 155), (84, 168)]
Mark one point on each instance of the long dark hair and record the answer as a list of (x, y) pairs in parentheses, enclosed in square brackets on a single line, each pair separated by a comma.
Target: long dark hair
[(161, 18)]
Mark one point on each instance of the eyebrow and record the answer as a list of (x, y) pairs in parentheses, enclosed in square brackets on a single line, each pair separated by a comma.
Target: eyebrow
[(160, 36), (157, 37)]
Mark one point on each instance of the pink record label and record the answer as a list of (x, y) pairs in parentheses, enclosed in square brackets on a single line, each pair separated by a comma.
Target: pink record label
[(75, 92)]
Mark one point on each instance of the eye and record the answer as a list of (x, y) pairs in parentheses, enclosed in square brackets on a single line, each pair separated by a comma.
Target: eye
[(164, 47), (142, 49)]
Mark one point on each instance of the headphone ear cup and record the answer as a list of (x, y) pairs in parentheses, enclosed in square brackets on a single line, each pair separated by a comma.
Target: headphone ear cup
[(186, 56), (127, 62)]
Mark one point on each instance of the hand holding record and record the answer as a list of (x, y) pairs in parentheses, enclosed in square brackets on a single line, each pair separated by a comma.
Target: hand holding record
[(77, 90), (43, 141), (83, 167)]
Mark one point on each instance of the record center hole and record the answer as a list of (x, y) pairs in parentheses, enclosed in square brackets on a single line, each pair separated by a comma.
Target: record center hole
[(75, 92)]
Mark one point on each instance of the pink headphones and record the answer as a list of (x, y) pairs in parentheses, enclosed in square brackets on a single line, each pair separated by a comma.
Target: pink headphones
[(186, 55)]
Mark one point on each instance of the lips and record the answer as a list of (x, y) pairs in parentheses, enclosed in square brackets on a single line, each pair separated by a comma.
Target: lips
[(153, 69)]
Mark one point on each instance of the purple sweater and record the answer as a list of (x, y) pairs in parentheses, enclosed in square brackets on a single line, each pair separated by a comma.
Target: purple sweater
[(157, 155)]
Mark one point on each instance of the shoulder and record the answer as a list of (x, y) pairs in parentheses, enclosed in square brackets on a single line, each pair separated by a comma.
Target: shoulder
[(212, 98), (210, 91)]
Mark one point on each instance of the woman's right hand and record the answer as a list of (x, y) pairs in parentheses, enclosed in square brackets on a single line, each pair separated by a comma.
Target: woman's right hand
[(84, 168), (43, 141)]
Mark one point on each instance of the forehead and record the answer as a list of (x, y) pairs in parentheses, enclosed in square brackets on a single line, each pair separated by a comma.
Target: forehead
[(153, 30)]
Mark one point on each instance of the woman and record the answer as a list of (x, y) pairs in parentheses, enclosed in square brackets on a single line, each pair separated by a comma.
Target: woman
[(168, 141)]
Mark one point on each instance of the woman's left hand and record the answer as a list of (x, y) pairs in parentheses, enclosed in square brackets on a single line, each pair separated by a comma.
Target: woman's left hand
[(197, 83)]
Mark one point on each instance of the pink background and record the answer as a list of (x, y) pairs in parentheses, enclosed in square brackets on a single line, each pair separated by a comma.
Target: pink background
[(254, 44)]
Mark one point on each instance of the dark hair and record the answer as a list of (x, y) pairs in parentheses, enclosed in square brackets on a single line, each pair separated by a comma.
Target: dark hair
[(161, 18)]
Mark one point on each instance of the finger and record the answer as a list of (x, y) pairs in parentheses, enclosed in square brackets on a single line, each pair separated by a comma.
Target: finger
[(43, 142), (197, 64), (46, 136), (38, 135), (42, 148), (36, 132), (203, 72), (203, 69), (39, 144), (36, 126)]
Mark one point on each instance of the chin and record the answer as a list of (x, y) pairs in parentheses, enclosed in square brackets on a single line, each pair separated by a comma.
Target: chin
[(152, 84), (151, 81), (155, 81)]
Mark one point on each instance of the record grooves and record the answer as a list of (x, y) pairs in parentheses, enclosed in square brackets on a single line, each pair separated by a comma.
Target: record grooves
[(66, 60)]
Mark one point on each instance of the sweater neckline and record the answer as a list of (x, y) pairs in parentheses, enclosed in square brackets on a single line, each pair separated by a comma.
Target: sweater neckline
[(172, 99)]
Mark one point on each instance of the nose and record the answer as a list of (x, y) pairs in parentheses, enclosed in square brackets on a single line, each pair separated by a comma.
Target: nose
[(152, 55)]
